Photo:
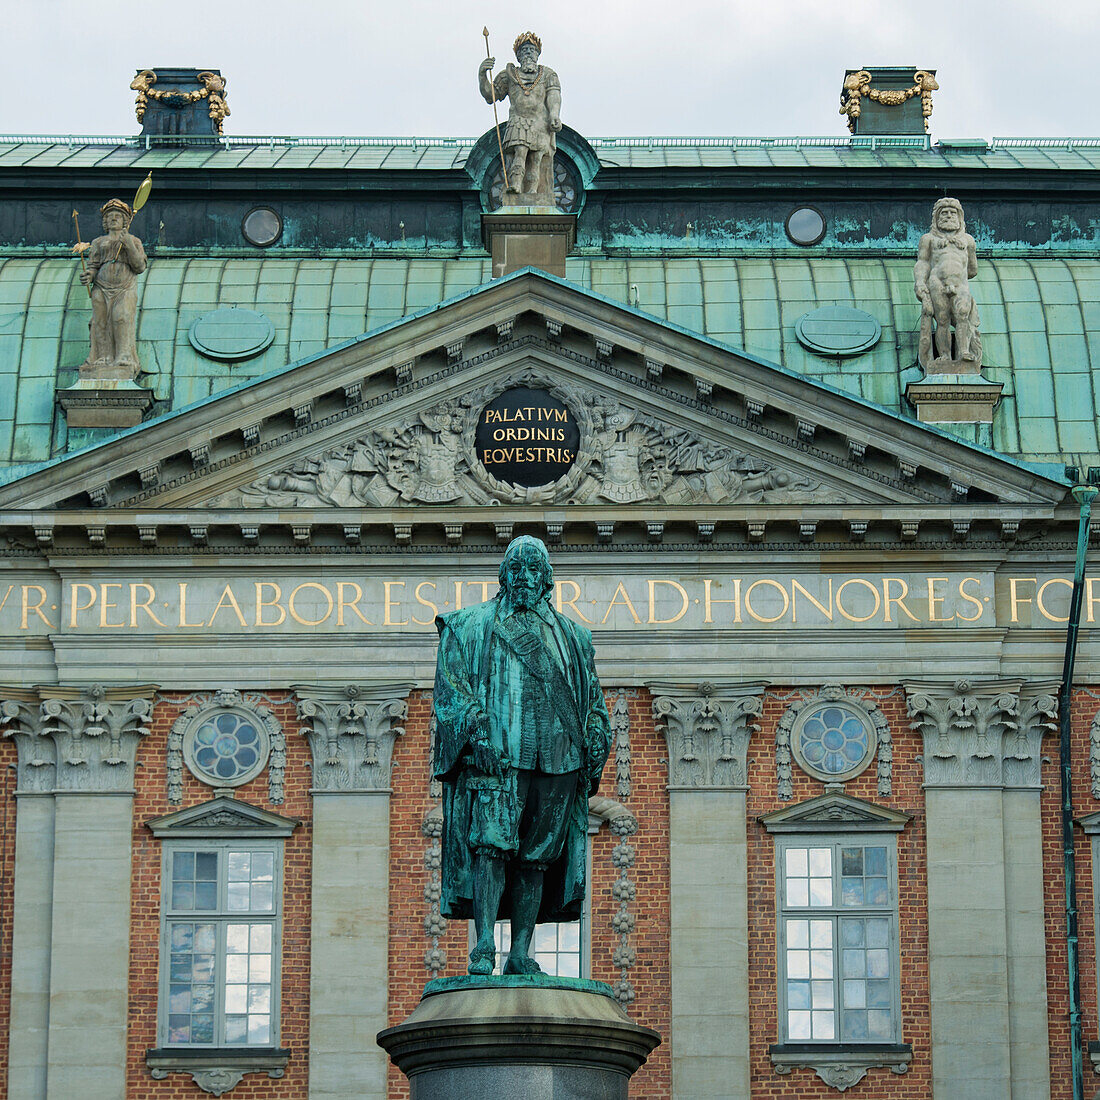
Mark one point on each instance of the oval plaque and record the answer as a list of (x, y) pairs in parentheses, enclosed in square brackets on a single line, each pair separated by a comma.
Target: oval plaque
[(837, 330), (231, 333), (527, 437)]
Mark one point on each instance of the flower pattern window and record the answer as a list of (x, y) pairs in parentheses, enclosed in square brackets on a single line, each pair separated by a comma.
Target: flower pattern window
[(227, 749), (220, 939), (833, 741), (838, 934)]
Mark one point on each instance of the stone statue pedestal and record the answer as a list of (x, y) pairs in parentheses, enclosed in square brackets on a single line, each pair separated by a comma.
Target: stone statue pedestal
[(954, 398), (105, 403), (530, 1036), (528, 236)]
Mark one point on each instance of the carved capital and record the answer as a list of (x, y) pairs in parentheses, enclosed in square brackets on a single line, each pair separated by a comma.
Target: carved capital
[(351, 733), (96, 732), (707, 727), (982, 734), (21, 720)]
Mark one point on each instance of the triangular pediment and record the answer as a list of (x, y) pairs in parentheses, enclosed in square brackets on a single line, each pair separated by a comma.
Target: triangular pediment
[(834, 812), (223, 816), (666, 419)]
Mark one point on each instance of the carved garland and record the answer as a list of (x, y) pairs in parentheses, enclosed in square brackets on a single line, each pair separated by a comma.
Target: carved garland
[(858, 85), (214, 86), (620, 737), (435, 924), (623, 825)]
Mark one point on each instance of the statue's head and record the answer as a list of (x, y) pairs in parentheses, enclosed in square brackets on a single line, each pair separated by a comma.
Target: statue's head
[(947, 216), (527, 48), (115, 213), (526, 574)]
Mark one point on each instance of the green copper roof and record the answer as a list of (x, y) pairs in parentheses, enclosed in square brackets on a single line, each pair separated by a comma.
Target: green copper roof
[(1040, 328), (404, 154)]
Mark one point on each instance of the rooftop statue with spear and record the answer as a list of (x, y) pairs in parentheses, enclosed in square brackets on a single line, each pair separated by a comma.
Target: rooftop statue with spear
[(527, 148), (111, 265)]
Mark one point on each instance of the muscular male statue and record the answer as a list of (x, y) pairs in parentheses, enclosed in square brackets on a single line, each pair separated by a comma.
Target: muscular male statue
[(114, 262), (522, 735), (946, 261), (534, 118)]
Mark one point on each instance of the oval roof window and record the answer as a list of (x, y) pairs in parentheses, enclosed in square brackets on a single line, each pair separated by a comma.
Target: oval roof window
[(231, 334), (837, 330)]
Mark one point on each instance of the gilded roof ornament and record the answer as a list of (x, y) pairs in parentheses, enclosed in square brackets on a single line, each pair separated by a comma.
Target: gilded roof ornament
[(858, 84)]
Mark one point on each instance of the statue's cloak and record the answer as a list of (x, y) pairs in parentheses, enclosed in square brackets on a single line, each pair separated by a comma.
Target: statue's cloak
[(470, 644)]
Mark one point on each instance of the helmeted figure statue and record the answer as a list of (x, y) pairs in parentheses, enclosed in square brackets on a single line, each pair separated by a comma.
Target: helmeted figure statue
[(946, 261), (113, 263), (534, 118), (522, 735)]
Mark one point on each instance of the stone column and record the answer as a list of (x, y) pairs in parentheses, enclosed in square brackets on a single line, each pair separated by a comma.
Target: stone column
[(74, 916), (707, 728), (351, 733), (28, 1034), (982, 753)]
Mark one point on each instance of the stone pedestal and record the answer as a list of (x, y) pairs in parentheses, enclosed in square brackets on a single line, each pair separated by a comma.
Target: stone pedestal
[(528, 236), (533, 1036), (104, 403), (954, 398)]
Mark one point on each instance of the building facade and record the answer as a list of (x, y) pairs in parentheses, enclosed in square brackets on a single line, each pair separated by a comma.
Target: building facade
[(828, 591)]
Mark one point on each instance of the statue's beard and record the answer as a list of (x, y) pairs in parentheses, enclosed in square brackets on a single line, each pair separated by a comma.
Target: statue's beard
[(524, 597), (528, 68)]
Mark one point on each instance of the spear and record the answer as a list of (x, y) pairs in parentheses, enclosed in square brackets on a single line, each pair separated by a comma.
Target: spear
[(80, 248), (496, 119), (141, 197)]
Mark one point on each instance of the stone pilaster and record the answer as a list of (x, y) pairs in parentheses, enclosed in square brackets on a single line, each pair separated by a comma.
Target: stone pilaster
[(982, 779), (351, 734), (77, 751), (707, 728)]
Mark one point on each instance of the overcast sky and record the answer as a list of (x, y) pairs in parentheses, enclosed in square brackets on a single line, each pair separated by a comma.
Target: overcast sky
[(689, 67)]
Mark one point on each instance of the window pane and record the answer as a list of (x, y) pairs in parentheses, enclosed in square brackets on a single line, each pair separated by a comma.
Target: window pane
[(546, 937), (822, 994), (236, 938), (183, 866), (262, 899), (239, 864), (798, 893), (798, 964), (259, 1029), (259, 968), (183, 895), (796, 862), (236, 1030), (821, 891), (824, 1025), (879, 1026), (855, 993), (821, 862), (261, 937), (179, 1029), (206, 865), (182, 936), (876, 861), (821, 964), (798, 933), (798, 1025), (202, 1028), (263, 866), (236, 968), (238, 896), (798, 995), (236, 998), (206, 895)]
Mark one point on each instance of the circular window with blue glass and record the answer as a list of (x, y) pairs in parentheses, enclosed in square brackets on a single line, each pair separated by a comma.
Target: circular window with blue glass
[(832, 741), (226, 749)]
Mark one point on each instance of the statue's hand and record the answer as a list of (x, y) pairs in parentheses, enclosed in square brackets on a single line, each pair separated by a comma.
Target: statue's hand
[(486, 65), (86, 277), (487, 759), (555, 123)]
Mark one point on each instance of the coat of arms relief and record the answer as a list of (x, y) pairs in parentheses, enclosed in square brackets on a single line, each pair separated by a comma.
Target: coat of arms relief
[(625, 457)]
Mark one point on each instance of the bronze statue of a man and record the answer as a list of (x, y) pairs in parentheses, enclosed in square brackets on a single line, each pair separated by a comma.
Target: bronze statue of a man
[(946, 262), (534, 118), (522, 735), (114, 262)]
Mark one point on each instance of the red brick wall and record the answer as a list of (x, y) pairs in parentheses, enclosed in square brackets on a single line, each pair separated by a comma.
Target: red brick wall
[(7, 907), (803, 1084), (1083, 709), (408, 875), (152, 801)]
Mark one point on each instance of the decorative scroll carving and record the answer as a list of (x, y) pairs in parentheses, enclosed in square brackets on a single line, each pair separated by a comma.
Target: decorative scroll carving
[(351, 733), (625, 457), (623, 824), (1094, 755), (707, 729), (982, 734), (213, 89), (856, 698), (620, 735), (96, 732)]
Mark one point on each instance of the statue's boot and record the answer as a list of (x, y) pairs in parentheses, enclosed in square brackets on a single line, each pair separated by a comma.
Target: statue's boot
[(526, 900), (488, 890), (517, 170)]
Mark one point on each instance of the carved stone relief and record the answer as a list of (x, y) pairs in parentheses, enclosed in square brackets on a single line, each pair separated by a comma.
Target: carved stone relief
[(266, 749), (857, 700), (707, 729), (351, 733), (982, 734), (623, 825), (620, 739), (625, 457)]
